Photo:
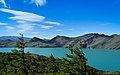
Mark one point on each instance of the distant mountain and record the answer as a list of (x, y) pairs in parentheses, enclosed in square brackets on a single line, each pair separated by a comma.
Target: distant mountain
[(12, 38), (37, 42), (92, 40), (97, 41), (35, 39), (59, 41)]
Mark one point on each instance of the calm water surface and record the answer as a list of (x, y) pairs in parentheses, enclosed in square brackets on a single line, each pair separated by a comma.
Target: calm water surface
[(108, 60)]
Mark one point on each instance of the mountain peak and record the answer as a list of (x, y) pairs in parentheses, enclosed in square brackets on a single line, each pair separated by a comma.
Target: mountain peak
[(35, 39)]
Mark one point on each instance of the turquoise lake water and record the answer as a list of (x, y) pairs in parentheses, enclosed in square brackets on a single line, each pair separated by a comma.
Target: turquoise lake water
[(108, 60)]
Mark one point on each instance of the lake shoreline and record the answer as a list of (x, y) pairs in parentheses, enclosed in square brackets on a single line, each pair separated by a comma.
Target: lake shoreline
[(95, 71), (100, 59), (63, 47)]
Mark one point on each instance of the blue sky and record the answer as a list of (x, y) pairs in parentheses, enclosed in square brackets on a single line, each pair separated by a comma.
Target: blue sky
[(48, 18)]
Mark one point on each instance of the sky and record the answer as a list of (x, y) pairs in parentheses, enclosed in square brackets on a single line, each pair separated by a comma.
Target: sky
[(49, 18)]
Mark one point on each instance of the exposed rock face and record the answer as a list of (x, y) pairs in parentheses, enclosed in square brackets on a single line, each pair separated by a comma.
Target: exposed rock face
[(87, 41)]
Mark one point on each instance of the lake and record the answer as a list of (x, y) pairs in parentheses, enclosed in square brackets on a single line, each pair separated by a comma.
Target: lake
[(102, 59)]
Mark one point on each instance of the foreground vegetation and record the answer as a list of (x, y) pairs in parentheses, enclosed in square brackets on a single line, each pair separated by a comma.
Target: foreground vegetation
[(19, 63)]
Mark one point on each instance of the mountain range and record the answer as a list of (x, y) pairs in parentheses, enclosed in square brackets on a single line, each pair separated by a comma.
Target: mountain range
[(92, 40)]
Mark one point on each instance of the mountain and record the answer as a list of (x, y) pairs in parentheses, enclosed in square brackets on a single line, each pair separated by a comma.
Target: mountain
[(97, 41), (35, 39), (92, 40), (10, 41), (59, 41), (12, 38), (37, 42)]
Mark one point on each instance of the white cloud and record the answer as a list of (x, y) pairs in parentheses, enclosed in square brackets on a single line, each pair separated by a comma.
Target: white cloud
[(46, 27), (35, 32), (24, 19), (38, 2), (59, 30), (24, 16), (70, 29), (27, 22), (53, 23), (24, 28), (2, 2), (21, 22), (9, 28), (3, 24)]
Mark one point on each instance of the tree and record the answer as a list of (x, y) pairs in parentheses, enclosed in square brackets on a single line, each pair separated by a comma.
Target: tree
[(21, 43), (77, 57)]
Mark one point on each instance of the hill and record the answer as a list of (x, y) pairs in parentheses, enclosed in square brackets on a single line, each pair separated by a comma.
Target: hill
[(92, 40)]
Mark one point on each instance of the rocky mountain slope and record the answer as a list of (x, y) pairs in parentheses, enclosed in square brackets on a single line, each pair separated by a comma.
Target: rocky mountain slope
[(93, 40)]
